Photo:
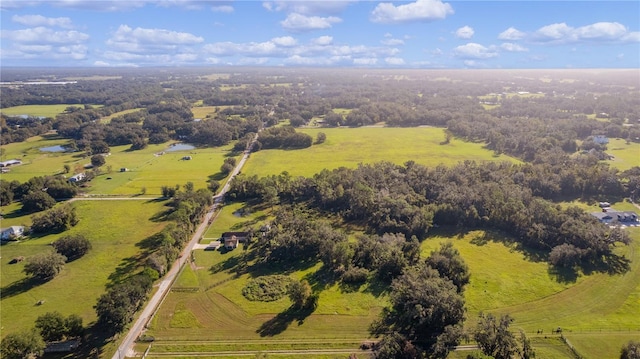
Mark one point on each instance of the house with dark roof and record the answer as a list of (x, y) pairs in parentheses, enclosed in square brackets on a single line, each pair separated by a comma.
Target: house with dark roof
[(617, 217)]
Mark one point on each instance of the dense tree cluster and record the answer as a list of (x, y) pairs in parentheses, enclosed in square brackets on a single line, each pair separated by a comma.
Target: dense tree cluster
[(426, 313), (496, 340), (72, 247), (31, 192), (53, 326), (56, 219), (116, 307), (45, 266), (25, 344), (284, 137), (409, 199)]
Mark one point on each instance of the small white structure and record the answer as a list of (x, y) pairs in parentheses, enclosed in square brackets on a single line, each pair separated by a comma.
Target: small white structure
[(10, 163), (77, 178), (12, 233)]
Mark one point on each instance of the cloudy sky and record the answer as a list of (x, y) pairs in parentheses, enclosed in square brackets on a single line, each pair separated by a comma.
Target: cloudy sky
[(394, 34)]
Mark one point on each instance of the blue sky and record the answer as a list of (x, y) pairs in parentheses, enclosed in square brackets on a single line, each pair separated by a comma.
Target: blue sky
[(395, 34)]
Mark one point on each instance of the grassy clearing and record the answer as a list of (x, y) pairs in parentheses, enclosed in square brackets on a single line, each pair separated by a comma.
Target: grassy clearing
[(37, 110), (347, 147), (113, 227), (145, 168), (625, 155), (601, 345), (236, 216), (108, 119), (203, 111), (539, 299)]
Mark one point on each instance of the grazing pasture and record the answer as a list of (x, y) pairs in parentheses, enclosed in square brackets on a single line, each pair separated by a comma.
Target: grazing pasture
[(347, 147), (149, 168), (625, 155), (114, 229), (37, 110)]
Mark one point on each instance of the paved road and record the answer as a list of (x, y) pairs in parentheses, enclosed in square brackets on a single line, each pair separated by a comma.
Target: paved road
[(126, 347)]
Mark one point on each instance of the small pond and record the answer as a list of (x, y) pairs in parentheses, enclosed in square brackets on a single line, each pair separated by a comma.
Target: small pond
[(57, 148), (180, 147)]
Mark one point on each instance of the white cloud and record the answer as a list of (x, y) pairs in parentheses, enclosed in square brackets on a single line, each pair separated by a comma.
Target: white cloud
[(307, 7), (321, 47), (511, 47), (511, 34), (222, 8), (285, 41), (43, 35), (323, 40), (395, 61), (103, 5), (436, 52), (392, 42), (561, 33), (465, 32), (420, 10), (39, 20), (365, 61), (298, 22), (141, 40), (473, 50)]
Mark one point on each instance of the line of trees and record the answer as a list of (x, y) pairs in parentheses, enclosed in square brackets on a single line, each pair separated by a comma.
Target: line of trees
[(409, 199)]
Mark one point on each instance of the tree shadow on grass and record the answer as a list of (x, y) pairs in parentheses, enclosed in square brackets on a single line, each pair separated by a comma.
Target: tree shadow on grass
[(563, 274), (281, 322), (19, 287), (124, 269), (611, 264), (93, 342)]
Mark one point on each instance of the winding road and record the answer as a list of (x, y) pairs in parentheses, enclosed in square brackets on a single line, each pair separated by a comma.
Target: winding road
[(126, 348)]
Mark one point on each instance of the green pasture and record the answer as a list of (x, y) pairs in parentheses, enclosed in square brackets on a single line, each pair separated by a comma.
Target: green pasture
[(203, 111), (236, 216), (624, 155), (597, 345), (108, 119), (37, 110), (150, 168), (347, 147), (506, 279), (113, 227)]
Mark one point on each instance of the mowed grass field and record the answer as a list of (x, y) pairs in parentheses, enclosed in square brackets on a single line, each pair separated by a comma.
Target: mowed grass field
[(624, 155), (113, 227), (148, 169), (214, 313), (347, 147), (37, 110)]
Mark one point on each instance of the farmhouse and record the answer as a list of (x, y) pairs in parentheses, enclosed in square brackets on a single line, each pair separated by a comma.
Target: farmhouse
[(77, 178), (612, 217), (10, 163), (231, 239), (12, 233)]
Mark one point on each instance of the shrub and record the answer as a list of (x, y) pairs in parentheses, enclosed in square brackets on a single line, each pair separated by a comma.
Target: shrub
[(355, 275), (72, 247), (266, 288), (45, 266)]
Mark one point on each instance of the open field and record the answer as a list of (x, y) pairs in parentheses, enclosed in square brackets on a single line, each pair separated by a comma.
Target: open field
[(37, 110), (146, 169), (113, 227), (625, 155), (347, 147), (107, 119), (211, 306), (203, 111)]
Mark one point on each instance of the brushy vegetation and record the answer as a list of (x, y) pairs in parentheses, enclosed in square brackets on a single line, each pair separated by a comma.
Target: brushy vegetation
[(266, 288)]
